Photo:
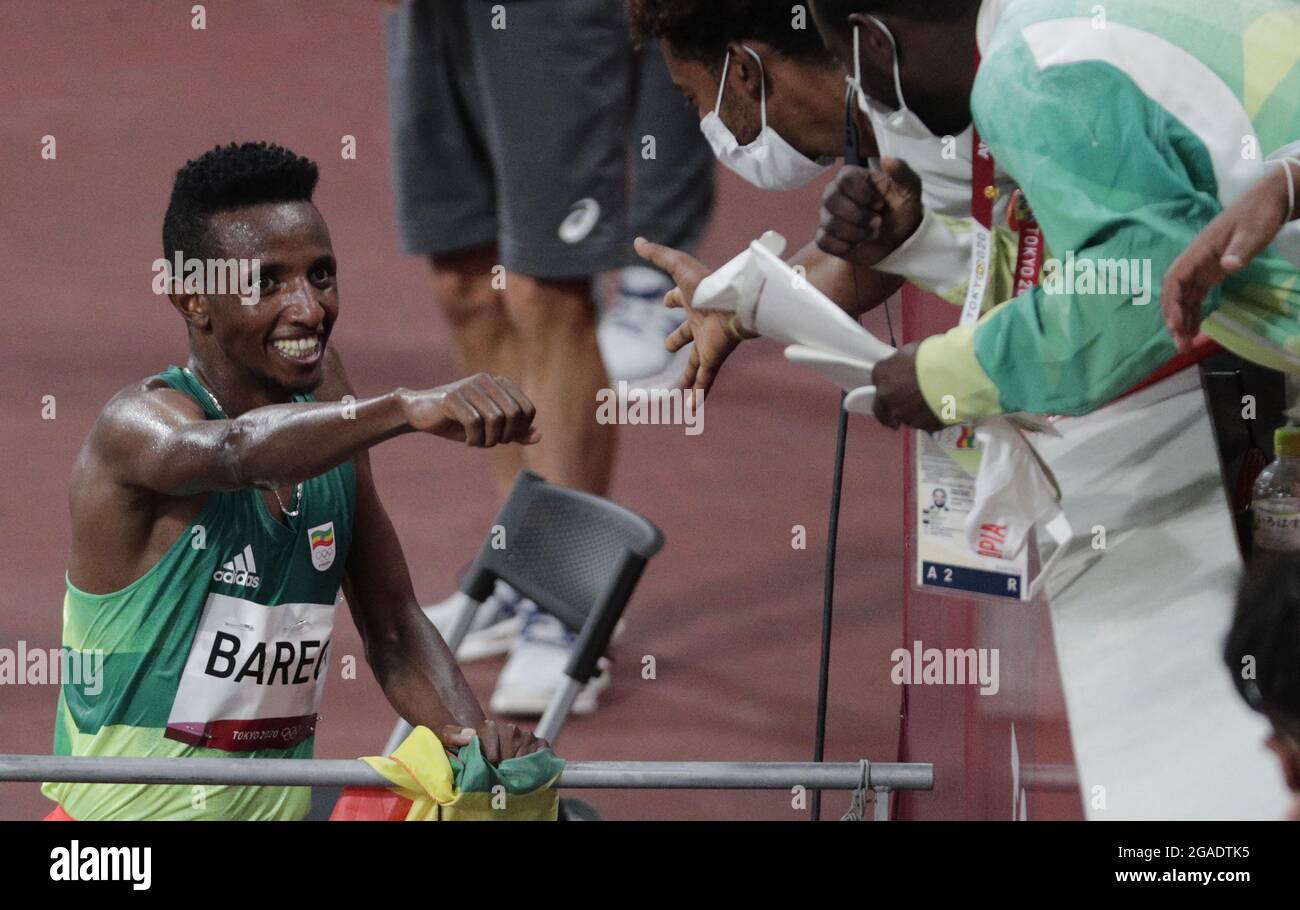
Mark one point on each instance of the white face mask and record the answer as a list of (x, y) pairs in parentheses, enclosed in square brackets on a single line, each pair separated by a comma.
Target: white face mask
[(944, 165), (902, 123), (769, 162)]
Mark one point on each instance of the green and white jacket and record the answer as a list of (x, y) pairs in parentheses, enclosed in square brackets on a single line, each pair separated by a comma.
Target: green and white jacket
[(1129, 126)]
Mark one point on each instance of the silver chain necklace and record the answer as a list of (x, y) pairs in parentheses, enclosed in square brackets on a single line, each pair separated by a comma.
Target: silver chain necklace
[(297, 493)]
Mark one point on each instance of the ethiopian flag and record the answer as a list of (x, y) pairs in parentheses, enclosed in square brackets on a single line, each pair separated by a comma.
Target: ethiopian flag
[(429, 784), (321, 545)]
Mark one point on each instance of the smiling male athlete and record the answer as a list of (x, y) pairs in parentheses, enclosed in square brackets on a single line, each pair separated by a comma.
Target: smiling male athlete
[(218, 508)]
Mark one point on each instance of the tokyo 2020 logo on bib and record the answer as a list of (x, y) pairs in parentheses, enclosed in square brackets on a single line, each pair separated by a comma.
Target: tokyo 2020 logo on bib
[(321, 539)]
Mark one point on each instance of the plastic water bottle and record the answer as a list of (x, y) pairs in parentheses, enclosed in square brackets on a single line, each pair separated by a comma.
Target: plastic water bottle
[(1276, 503)]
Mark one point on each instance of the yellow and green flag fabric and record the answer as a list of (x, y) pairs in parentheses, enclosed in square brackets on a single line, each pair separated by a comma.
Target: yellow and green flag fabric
[(428, 784)]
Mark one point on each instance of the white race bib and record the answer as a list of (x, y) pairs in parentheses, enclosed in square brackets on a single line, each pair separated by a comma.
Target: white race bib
[(254, 677)]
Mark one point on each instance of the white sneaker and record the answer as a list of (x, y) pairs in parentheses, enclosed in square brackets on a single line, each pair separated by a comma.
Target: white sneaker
[(496, 624), (632, 333), (535, 670)]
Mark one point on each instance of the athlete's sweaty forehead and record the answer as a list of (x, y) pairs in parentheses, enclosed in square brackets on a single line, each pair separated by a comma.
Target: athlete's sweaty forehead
[(279, 234)]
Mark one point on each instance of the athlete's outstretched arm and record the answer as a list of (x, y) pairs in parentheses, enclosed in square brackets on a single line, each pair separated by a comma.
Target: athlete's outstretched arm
[(412, 663), (158, 439)]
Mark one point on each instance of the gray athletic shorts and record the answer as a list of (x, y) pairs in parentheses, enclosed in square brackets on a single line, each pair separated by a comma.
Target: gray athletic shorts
[(513, 136)]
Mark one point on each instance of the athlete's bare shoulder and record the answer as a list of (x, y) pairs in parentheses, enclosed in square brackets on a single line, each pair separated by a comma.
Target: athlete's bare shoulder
[(121, 523), (138, 416)]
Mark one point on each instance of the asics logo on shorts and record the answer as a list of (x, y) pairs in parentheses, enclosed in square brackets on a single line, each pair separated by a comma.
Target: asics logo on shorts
[(582, 218), (240, 571)]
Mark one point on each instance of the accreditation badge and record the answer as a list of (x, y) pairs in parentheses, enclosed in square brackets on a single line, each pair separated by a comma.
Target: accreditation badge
[(946, 465)]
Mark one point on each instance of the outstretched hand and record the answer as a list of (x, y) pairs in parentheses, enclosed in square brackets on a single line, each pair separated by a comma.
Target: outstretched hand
[(1240, 233), (714, 335)]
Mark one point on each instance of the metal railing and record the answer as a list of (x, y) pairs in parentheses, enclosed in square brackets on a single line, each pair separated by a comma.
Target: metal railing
[(581, 775)]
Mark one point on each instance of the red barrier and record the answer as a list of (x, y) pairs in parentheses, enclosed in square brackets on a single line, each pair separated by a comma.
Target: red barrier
[(370, 804), (1001, 755)]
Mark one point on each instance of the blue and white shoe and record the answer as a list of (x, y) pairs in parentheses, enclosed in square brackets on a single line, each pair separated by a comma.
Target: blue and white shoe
[(632, 333), (496, 624), (535, 670)]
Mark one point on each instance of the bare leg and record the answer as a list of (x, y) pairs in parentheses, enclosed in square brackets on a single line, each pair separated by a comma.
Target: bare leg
[(481, 334), (562, 372)]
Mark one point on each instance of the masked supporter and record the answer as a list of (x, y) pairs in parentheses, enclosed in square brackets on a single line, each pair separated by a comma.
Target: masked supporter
[(1055, 101), (772, 103), (1123, 125)]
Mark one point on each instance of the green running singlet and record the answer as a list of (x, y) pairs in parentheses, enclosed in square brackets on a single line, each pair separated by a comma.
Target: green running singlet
[(219, 651)]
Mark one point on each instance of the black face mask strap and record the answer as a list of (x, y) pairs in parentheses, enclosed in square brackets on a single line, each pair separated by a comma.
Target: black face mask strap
[(852, 139)]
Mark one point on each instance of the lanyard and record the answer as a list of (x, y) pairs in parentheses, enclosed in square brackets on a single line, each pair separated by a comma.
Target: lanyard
[(984, 194)]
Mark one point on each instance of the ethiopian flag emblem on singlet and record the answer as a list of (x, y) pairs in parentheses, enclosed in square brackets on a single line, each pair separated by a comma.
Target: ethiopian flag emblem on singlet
[(321, 539)]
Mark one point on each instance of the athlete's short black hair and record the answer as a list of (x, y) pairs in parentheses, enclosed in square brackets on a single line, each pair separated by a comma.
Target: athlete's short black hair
[(1265, 639), (701, 31), (837, 12), (230, 177)]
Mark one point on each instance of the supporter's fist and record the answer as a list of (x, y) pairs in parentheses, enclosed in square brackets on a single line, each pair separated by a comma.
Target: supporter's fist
[(481, 411), (866, 214)]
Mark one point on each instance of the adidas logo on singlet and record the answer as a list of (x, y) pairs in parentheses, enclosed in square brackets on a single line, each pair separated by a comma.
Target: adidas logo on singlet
[(240, 571)]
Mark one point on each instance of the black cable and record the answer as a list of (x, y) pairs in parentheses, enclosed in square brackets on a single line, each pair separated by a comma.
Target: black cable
[(852, 156), (828, 600)]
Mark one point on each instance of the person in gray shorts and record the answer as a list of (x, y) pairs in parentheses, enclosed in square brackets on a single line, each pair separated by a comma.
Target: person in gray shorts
[(510, 125), (672, 197)]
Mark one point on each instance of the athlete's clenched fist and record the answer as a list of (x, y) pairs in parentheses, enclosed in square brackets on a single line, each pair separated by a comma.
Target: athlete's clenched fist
[(482, 411)]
